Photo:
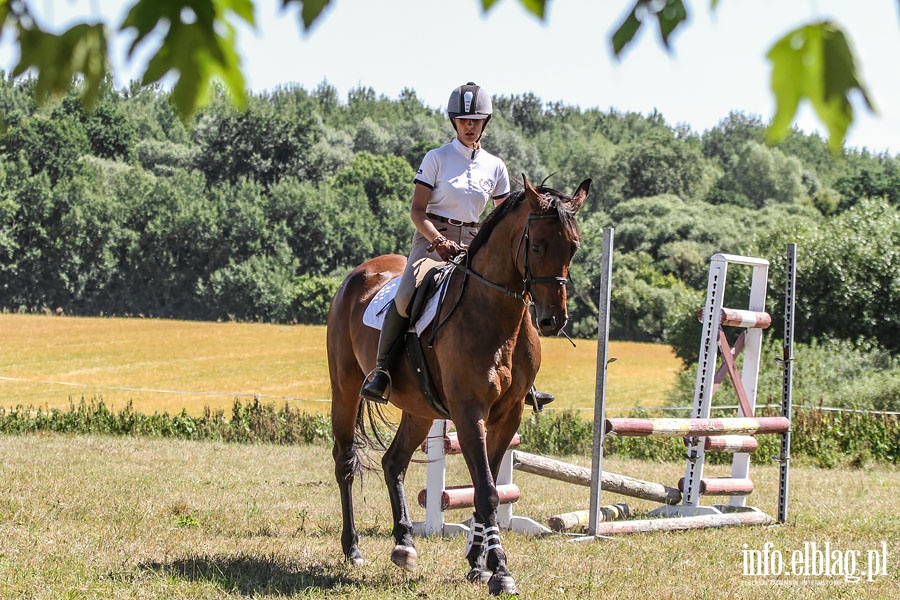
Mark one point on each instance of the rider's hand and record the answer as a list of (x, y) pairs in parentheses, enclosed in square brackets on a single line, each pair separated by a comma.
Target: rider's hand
[(445, 248)]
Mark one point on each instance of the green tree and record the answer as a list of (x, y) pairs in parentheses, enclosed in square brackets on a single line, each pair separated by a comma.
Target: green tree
[(27, 277), (867, 176), (849, 276), (526, 112), (660, 164), (387, 182), (413, 136), (261, 143), (759, 175), (260, 287), (725, 141), (49, 143), (180, 231)]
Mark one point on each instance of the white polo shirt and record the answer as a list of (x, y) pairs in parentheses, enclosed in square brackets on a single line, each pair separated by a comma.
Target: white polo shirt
[(461, 184)]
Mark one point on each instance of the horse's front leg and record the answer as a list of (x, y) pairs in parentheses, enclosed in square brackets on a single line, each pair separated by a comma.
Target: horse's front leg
[(475, 553), (472, 443), (410, 435)]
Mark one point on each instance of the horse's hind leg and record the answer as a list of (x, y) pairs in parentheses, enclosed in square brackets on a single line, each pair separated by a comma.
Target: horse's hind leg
[(410, 435), (344, 411)]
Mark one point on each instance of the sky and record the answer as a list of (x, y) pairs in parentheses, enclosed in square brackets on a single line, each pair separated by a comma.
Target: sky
[(716, 64)]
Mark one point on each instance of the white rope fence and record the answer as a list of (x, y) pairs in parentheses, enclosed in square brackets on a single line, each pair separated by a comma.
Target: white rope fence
[(259, 396)]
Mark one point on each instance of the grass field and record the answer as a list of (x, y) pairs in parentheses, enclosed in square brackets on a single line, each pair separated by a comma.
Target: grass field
[(92, 517), (165, 365), (96, 517)]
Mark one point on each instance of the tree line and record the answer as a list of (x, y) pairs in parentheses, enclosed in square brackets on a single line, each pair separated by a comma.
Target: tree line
[(257, 214)]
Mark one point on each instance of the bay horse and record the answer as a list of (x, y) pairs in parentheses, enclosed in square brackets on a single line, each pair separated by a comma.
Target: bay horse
[(483, 360)]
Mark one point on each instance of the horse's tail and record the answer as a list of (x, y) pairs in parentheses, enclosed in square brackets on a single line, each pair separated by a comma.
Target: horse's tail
[(374, 436)]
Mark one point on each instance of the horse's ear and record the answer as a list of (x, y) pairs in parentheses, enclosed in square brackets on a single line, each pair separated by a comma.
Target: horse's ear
[(538, 204), (580, 194)]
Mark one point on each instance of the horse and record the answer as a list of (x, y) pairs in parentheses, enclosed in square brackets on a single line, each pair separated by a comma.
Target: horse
[(483, 360)]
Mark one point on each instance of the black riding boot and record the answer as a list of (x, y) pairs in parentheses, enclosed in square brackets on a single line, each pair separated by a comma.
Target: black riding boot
[(389, 343), (537, 399)]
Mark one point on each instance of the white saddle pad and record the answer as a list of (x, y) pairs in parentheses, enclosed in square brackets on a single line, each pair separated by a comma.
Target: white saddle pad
[(374, 315)]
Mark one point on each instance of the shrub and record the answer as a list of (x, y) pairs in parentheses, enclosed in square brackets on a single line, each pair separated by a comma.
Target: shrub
[(251, 422), (826, 439)]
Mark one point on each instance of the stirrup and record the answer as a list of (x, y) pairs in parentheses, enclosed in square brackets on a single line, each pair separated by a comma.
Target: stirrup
[(383, 395), (537, 400)]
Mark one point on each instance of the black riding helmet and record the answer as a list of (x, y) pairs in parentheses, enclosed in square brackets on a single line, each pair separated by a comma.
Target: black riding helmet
[(469, 101)]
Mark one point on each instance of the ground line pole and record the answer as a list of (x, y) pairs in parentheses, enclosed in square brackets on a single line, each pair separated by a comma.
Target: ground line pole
[(595, 516)]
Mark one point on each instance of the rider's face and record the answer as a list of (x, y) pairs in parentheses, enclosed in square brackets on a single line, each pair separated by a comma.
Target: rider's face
[(469, 130)]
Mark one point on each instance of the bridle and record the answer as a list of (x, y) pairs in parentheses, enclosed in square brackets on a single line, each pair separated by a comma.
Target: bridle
[(527, 279), (461, 263)]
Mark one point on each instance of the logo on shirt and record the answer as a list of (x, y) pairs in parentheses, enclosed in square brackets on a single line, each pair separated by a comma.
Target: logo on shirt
[(487, 184)]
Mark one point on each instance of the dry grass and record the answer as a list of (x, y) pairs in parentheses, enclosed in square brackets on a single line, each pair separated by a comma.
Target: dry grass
[(96, 518), (160, 365), (169, 365)]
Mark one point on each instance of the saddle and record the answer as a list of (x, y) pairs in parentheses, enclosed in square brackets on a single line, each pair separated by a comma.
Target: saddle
[(424, 307)]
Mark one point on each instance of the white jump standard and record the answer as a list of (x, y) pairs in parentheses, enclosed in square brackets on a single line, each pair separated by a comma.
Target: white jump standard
[(438, 497)]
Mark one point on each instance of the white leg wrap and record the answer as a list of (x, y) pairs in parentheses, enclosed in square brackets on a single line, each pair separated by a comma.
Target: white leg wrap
[(492, 537), (476, 536)]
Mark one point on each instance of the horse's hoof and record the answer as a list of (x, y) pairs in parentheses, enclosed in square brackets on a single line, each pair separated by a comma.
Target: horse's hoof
[(355, 559), (405, 556), (476, 575), (502, 584)]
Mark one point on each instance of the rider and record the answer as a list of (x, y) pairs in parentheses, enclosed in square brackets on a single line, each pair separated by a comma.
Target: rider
[(452, 188)]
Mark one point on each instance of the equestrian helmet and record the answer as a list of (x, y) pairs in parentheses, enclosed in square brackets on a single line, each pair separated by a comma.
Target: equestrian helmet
[(469, 101)]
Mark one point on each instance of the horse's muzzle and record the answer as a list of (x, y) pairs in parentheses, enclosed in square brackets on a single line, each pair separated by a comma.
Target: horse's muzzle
[(552, 325)]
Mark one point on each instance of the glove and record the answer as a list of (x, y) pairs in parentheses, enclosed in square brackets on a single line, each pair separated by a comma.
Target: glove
[(445, 248)]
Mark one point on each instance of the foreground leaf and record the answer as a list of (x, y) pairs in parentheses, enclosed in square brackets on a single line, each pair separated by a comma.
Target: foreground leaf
[(310, 10), (669, 15), (192, 46), (81, 50), (815, 62), (5, 10)]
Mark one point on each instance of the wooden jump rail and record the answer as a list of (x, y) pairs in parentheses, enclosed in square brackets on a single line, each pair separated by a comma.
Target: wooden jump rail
[(749, 319), (738, 519), (620, 484), (722, 486), (635, 427), (451, 443), (463, 496), (730, 443), (579, 519)]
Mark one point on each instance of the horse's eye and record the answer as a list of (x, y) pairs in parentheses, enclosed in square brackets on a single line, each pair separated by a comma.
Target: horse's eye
[(537, 248)]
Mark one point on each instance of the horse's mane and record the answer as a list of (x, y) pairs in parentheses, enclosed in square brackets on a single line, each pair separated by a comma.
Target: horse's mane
[(558, 202)]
